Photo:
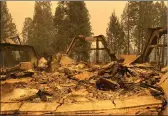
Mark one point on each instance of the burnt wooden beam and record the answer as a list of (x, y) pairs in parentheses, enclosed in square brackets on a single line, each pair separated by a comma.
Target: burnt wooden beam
[(97, 49), (159, 45)]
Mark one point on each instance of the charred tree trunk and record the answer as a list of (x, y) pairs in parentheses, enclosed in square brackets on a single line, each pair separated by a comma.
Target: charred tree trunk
[(128, 42), (139, 32), (163, 51)]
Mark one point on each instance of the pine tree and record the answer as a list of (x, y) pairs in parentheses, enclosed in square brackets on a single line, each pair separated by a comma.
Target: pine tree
[(72, 19), (8, 28), (163, 13), (42, 32), (115, 35), (80, 25), (143, 15), (27, 26), (127, 21), (159, 14), (61, 26), (141, 18)]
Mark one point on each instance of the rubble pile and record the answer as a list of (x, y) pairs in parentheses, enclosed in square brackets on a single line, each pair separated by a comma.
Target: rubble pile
[(100, 82), (70, 82)]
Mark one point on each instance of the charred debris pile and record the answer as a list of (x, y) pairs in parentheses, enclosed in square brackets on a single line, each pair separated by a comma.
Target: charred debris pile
[(62, 78)]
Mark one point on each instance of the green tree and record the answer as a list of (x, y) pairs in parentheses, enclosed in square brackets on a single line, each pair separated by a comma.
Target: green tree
[(115, 35), (26, 29), (142, 15), (159, 14), (41, 33), (72, 19), (127, 22), (8, 27), (140, 19), (163, 13), (61, 28), (143, 21)]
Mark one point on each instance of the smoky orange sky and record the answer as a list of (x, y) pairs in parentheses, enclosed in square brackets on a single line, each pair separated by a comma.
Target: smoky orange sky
[(100, 12)]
